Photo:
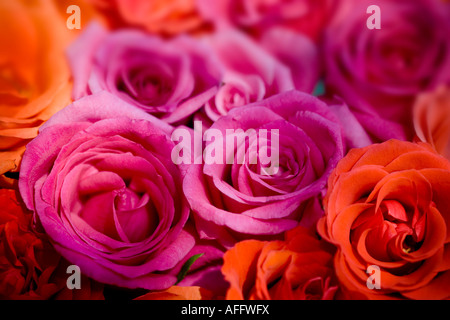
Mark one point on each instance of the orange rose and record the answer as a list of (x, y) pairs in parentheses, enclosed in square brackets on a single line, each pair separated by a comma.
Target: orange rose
[(34, 76), (298, 268), (167, 17), (388, 206), (432, 119), (29, 266)]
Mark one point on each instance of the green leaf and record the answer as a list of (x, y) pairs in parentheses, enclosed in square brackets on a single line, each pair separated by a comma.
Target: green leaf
[(319, 90), (186, 266)]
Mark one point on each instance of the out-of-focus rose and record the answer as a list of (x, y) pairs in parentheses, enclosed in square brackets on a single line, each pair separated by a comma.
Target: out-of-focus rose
[(29, 266), (387, 205), (265, 166), (298, 268), (379, 72), (251, 73), (100, 179), (432, 119), (34, 76), (257, 16), (167, 17), (298, 53), (87, 13), (170, 79), (354, 133)]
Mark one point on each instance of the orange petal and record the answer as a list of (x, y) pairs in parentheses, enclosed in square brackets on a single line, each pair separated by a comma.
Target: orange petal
[(239, 267), (384, 153), (178, 293)]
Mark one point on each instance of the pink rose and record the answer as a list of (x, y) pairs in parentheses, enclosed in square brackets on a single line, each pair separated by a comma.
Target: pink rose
[(236, 193), (298, 53), (255, 70), (251, 73), (100, 179), (170, 79), (379, 72)]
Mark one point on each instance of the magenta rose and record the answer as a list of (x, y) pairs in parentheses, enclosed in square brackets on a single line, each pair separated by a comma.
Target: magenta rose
[(100, 180), (298, 53), (379, 72), (264, 168), (251, 73), (168, 78)]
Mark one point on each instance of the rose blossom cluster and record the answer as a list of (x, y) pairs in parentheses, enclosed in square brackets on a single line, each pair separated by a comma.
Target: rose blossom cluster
[(230, 149)]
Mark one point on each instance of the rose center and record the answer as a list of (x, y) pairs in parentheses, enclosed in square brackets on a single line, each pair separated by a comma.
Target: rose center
[(149, 86), (136, 215), (119, 211)]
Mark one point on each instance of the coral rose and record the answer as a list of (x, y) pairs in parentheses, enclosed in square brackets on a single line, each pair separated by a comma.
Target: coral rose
[(432, 119), (387, 206), (298, 268), (167, 17), (34, 76)]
